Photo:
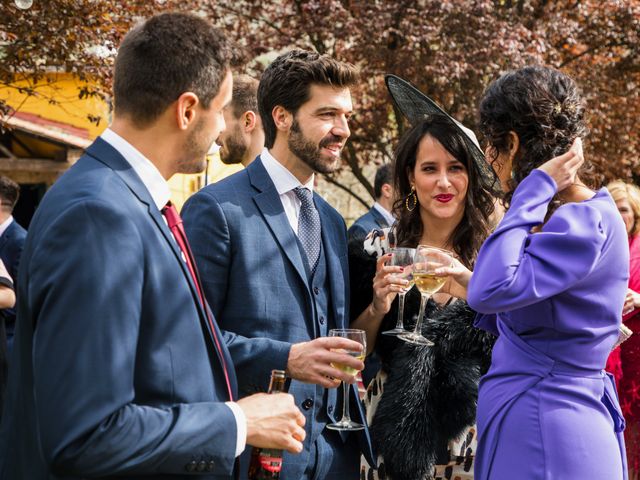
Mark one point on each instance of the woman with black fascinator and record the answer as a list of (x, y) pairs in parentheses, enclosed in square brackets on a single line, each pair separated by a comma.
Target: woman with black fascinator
[(421, 405)]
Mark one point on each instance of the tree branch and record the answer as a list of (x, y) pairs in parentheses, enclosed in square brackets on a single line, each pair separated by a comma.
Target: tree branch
[(333, 181)]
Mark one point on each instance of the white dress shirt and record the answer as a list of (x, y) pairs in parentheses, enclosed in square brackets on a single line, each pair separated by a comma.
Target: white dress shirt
[(160, 193), (4, 225), (285, 183)]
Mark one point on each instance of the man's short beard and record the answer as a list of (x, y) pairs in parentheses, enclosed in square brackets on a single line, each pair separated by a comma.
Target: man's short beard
[(309, 152), (234, 149)]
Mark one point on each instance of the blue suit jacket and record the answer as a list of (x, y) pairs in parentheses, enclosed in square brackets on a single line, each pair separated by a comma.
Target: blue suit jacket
[(254, 277), (11, 244), (367, 222), (114, 370)]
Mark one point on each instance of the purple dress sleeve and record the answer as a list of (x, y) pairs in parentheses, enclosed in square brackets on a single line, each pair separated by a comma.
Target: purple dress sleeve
[(516, 268)]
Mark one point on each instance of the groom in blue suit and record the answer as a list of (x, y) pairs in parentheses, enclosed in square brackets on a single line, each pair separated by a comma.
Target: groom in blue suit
[(119, 368), (273, 257)]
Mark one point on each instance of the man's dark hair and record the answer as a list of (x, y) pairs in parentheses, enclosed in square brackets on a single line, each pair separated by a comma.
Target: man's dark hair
[(245, 95), (166, 56), (286, 82), (9, 193), (384, 174)]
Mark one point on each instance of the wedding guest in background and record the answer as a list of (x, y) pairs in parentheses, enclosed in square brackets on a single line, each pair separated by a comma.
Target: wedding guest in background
[(627, 198), (12, 237), (379, 215), (243, 138), (7, 300)]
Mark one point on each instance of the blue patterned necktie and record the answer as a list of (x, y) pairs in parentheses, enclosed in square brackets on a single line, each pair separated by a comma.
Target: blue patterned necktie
[(309, 226)]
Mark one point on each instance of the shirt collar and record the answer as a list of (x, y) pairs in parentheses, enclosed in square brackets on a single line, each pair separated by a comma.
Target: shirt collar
[(385, 213), (149, 174), (4, 225), (282, 178)]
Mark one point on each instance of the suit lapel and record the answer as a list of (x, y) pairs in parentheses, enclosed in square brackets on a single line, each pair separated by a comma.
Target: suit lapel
[(331, 239), (268, 202), (5, 237), (108, 155)]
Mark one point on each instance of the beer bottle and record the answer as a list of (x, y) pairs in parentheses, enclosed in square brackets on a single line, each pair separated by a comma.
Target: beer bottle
[(266, 463)]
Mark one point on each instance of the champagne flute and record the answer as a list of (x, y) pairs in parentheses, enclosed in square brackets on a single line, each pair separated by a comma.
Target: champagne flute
[(345, 423), (402, 257), (426, 261)]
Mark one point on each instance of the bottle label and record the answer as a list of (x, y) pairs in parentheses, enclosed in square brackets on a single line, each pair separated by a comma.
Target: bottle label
[(270, 463)]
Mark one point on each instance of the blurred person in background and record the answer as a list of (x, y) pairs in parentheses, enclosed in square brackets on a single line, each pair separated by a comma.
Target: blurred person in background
[(243, 138), (625, 360), (12, 237)]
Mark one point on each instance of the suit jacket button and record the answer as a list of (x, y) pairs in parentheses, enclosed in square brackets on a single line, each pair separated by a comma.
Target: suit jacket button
[(191, 466), (330, 408), (321, 320), (202, 465), (307, 404), (316, 290), (211, 467)]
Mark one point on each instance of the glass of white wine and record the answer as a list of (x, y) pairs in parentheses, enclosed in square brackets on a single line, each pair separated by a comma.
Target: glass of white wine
[(345, 423), (402, 257), (426, 261)]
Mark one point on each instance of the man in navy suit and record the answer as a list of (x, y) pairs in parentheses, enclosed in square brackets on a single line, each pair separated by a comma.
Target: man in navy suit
[(12, 237), (120, 368), (379, 216), (273, 256)]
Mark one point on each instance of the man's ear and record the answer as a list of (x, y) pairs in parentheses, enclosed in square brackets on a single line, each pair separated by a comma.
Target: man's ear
[(185, 109), (282, 118), (387, 190), (249, 121)]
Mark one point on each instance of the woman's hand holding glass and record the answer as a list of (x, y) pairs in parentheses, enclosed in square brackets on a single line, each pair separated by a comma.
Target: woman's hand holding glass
[(458, 279), (426, 261), (387, 283)]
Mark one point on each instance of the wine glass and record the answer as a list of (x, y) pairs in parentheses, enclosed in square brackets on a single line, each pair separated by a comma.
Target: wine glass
[(345, 423), (402, 257), (426, 261)]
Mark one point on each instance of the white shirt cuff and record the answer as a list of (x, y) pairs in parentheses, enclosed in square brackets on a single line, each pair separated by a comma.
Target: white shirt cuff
[(241, 423)]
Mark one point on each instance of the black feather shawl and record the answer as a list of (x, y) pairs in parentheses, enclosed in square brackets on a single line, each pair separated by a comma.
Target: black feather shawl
[(431, 392)]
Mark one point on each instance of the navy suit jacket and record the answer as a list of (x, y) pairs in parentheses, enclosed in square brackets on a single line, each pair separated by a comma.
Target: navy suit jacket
[(254, 277), (11, 243), (367, 222), (114, 372)]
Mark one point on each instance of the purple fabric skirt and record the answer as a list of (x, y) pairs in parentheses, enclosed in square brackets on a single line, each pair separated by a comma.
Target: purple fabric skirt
[(543, 419)]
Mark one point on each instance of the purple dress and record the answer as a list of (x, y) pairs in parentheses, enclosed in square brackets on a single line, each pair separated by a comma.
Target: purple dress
[(546, 408)]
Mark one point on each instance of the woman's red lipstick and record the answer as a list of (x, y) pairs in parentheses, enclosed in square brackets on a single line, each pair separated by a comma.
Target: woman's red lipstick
[(444, 197)]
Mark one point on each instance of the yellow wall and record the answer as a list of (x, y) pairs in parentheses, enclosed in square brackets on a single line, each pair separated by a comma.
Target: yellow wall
[(70, 109), (64, 89)]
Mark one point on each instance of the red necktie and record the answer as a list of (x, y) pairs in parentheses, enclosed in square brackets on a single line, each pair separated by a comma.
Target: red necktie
[(175, 225)]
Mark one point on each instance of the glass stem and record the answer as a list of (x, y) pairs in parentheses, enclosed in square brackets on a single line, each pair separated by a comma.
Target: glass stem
[(346, 417), (400, 323), (423, 303)]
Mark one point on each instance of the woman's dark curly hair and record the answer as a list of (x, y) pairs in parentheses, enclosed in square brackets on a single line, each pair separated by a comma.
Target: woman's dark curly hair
[(475, 225), (545, 108)]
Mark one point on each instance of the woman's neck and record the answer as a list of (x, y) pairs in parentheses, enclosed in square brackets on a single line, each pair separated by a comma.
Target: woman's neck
[(437, 232), (576, 192)]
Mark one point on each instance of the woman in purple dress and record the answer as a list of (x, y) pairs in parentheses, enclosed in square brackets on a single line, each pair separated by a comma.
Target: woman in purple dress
[(551, 282)]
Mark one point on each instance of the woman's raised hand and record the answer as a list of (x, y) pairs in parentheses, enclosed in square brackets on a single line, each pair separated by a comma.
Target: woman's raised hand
[(564, 168)]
